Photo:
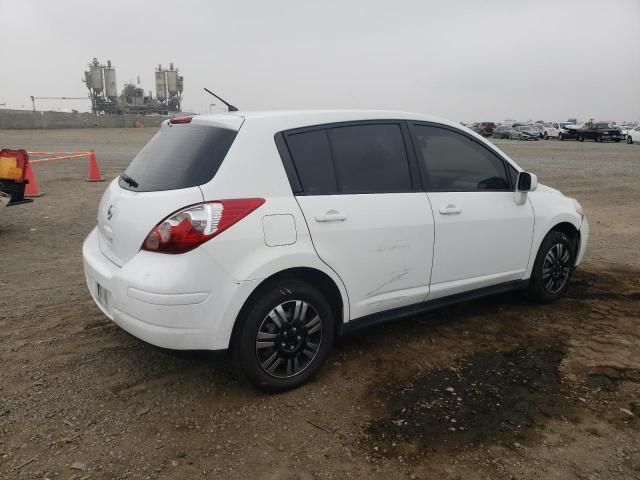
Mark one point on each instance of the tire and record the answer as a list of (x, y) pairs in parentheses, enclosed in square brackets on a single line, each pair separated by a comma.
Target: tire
[(580, 138), (278, 334), (560, 137), (629, 139), (545, 136), (617, 140), (552, 269), (599, 138)]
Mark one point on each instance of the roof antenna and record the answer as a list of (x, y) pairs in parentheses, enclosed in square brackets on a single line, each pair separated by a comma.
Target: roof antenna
[(229, 106)]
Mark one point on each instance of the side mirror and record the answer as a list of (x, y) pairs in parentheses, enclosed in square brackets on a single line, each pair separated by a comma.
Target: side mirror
[(527, 182)]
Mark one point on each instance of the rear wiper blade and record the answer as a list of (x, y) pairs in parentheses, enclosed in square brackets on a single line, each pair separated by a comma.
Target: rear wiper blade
[(130, 181)]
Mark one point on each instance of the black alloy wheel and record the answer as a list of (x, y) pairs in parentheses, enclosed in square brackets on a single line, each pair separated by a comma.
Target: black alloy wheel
[(556, 268), (288, 339), (283, 335), (552, 268)]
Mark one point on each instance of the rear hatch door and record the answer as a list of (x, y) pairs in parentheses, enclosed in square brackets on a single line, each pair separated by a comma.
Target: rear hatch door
[(162, 178)]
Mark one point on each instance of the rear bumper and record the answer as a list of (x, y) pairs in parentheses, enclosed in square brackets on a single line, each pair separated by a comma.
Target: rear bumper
[(181, 302)]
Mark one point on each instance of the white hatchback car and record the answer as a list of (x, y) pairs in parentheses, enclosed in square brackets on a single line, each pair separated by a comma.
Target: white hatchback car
[(633, 135), (271, 233)]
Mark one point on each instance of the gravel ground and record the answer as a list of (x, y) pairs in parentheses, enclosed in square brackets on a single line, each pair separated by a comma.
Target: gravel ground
[(496, 389)]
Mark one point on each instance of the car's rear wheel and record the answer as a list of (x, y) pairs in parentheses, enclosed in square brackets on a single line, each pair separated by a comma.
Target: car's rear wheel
[(552, 269), (599, 138), (546, 136), (629, 139), (580, 138), (284, 336), (560, 137)]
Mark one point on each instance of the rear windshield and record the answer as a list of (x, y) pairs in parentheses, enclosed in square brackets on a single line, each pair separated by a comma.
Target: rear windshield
[(178, 156)]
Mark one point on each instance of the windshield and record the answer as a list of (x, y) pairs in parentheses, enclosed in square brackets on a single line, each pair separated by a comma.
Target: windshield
[(178, 156)]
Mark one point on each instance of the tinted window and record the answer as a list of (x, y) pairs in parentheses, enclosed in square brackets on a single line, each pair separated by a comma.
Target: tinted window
[(370, 159), (179, 156), (312, 157), (456, 163)]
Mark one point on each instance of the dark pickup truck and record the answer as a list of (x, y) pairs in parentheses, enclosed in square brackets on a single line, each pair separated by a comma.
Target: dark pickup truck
[(599, 131)]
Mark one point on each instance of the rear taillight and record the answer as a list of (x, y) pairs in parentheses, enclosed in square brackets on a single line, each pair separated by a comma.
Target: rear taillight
[(192, 226)]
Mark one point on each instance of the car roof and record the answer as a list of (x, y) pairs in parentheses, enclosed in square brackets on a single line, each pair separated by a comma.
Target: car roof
[(273, 121), (283, 119)]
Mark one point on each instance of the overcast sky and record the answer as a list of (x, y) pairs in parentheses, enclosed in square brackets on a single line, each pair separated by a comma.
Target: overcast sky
[(460, 59)]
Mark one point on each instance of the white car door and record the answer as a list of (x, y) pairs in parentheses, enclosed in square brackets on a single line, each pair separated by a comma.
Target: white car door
[(482, 234), (368, 219)]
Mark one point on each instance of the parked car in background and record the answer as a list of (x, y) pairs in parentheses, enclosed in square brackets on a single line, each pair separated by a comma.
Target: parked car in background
[(625, 129), (599, 132), (502, 131), (633, 135), (550, 130), (567, 130), (485, 128), (524, 132), (540, 128), (191, 252)]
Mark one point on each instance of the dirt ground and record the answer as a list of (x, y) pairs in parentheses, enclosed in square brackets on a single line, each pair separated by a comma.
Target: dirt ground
[(494, 389)]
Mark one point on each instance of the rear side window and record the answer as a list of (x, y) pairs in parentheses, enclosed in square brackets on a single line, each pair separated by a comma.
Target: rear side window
[(369, 158), (456, 163), (179, 156), (312, 157)]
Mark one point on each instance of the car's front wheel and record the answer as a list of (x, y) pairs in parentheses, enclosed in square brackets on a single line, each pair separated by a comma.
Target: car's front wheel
[(546, 136), (552, 269), (629, 139), (284, 336)]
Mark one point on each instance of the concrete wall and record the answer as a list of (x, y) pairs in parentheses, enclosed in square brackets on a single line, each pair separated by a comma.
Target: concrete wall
[(24, 119)]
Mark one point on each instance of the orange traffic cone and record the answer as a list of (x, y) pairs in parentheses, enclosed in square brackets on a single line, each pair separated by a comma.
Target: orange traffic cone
[(94, 169), (32, 189)]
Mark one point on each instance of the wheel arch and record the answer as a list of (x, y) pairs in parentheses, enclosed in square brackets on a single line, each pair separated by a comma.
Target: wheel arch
[(553, 213), (310, 275), (571, 232)]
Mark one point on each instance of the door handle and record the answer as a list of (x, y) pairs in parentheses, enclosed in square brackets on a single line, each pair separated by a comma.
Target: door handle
[(450, 209), (331, 216)]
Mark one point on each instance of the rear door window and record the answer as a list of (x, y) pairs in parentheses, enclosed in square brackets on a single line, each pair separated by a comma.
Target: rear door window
[(179, 156), (454, 162), (350, 159)]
